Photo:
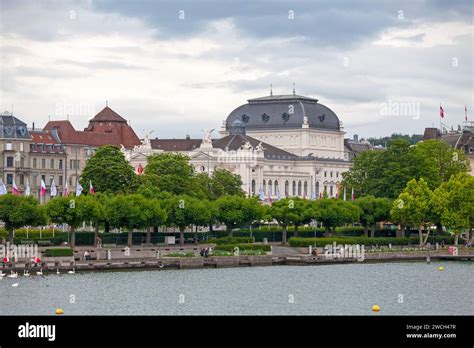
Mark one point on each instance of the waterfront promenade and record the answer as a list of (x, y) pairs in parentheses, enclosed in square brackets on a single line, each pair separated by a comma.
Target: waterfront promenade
[(121, 258)]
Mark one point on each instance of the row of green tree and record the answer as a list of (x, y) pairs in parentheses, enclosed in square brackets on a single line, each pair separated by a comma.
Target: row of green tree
[(417, 207)]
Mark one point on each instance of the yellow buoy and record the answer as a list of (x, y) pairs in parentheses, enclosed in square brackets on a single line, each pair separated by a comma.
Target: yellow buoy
[(440, 268), (59, 311), (375, 308)]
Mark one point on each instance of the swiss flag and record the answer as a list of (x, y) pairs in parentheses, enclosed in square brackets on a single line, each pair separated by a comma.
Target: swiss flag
[(441, 111)]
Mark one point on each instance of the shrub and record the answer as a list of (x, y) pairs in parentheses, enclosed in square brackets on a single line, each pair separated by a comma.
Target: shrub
[(242, 247), (58, 252), (181, 254), (321, 242), (231, 240)]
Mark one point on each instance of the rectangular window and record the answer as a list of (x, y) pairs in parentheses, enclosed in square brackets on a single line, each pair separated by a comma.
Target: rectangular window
[(52, 163), (43, 163), (9, 179), (34, 163), (8, 146), (60, 164), (60, 181), (22, 179), (9, 161), (35, 180), (22, 162)]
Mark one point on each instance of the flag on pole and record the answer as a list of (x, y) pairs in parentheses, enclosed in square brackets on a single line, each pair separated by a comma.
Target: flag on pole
[(78, 188), (65, 190), (27, 188), (91, 188), (278, 194), (313, 195), (353, 194), (465, 112), (441, 111), (3, 189), (43, 188), (53, 190), (269, 197), (344, 193), (15, 190), (261, 194), (140, 169)]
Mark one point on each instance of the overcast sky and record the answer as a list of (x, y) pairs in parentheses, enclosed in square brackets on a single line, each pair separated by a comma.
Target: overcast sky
[(177, 67)]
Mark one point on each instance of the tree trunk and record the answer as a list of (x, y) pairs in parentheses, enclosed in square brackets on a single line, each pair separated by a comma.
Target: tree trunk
[(181, 236), (400, 232), (284, 235), (106, 227), (296, 230), (420, 234), (96, 234), (148, 235), (72, 242), (366, 231), (427, 235), (456, 239), (439, 229), (372, 231), (9, 228), (130, 238), (327, 232)]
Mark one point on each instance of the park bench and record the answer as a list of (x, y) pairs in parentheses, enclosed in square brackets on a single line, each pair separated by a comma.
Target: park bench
[(44, 243)]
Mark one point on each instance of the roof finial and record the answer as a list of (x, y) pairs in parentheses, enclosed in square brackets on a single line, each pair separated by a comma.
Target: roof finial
[(106, 103), (271, 90), (294, 90)]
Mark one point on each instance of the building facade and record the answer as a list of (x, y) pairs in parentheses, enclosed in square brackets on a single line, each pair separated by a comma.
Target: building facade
[(279, 145), (57, 152)]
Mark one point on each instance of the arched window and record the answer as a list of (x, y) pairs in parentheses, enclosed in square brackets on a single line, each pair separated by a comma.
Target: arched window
[(269, 187), (264, 186), (277, 189), (287, 188), (305, 188), (299, 188), (317, 189), (294, 188), (331, 191), (253, 187)]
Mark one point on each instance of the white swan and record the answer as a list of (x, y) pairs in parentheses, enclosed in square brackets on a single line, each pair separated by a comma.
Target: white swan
[(13, 274), (2, 274), (57, 271), (40, 272), (72, 272), (15, 285), (26, 273)]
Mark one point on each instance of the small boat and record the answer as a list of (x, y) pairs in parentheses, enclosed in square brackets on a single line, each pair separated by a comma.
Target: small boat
[(13, 275), (40, 272), (26, 273), (72, 272)]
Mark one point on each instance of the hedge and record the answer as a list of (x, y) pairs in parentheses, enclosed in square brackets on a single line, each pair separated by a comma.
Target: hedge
[(231, 240), (243, 247), (58, 252), (321, 242)]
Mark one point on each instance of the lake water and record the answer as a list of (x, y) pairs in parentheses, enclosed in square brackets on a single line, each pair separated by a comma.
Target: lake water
[(398, 288)]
